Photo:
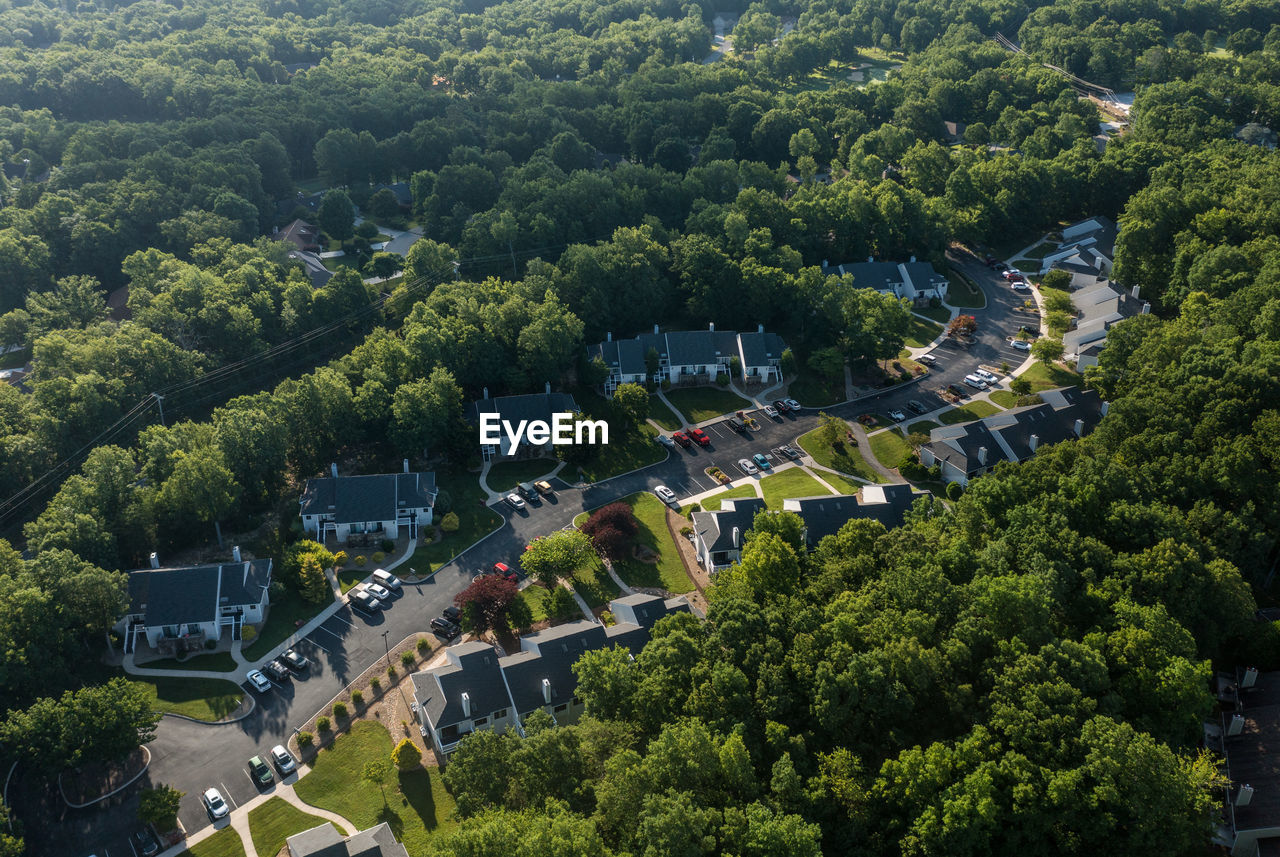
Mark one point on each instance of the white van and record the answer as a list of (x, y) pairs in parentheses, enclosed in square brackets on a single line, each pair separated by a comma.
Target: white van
[(975, 381), (387, 579)]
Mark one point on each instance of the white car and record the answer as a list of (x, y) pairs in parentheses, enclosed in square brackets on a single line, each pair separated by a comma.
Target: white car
[(1020, 344), (747, 467), (771, 412), (927, 359), (975, 381), (214, 804), (377, 591), (792, 404), (387, 579), (260, 682), (989, 377), (284, 762), (665, 494), (515, 501), (897, 416), (1019, 286)]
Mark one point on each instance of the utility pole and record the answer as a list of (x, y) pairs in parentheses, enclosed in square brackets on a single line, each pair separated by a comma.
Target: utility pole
[(160, 404), (387, 646)]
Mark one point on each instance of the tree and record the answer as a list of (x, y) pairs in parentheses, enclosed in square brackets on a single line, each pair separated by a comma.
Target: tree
[(555, 556), (11, 844), (612, 530), (474, 774), (876, 325), (1057, 279), (200, 490), (313, 584), (962, 325), (426, 413), (406, 756), (383, 206), (377, 772), (827, 362), (99, 723), (1047, 350), (429, 261), (1020, 385), (75, 301), (831, 430), (159, 806), (632, 402), (484, 600), (337, 215), (770, 565)]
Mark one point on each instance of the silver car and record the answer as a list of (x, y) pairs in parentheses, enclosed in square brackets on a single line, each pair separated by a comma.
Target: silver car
[(665, 494), (387, 579), (283, 760), (378, 591), (745, 465), (214, 804)]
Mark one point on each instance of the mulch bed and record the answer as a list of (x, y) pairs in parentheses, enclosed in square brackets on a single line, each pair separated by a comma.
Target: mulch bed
[(96, 779)]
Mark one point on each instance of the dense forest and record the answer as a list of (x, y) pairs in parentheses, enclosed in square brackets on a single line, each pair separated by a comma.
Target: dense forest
[(1023, 671)]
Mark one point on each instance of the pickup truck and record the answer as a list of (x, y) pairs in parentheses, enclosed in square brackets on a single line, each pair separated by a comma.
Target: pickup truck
[(737, 425), (700, 436), (682, 439)]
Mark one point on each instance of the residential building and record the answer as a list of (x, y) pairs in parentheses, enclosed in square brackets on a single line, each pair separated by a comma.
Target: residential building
[(718, 535), (691, 356), (314, 266), (302, 235), (953, 132), (1245, 732), (824, 515), (916, 281), (326, 841), (1098, 308), (530, 407), (178, 610), (400, 190), (479, 688), (965, 450), (343, 506), (1088, 246)]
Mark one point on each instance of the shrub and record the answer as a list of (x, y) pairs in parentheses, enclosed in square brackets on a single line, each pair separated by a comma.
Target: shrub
[(686, 530), (378, 557), (357, 698), (560, 604), (388, 545), (450, 523), (935, 303), (407, 659), (247, 633), (305, 739), (607, 618), (322, 723), (375, 684), (695, 507), (391, 673), (340, 710), (361, 560), (406, 755), (666, 384), (340, 558), (424, 646), (159, 806), (210, 645), (954, 490), (722, 379)]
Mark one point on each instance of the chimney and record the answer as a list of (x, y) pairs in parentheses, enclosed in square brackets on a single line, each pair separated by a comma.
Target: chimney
[(1078, 428), (1244, 795), (1236, 726), (333, 469), (1106, 406), (655, 329), (608, 337), (546, 691), (826, 263), (155, 560), (871, 258), (1146, 308), (913, 259), (548, 388), (466, 704), (235, 553), (1134, 292), (737, 537), (712, 327), (406, 465), (760, 327), (982, 455), (1034, 442), (486, 392), (1250, 677)]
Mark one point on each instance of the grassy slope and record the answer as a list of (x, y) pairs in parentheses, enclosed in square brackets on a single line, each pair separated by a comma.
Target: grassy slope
[(788, 484), (712, 504), (201, 698), (668, 572), (889, 447), (504, 475), (972, 411), (704, 403), (224, 843), (275, 821), (845, 458), (475, 520), (282, 620)]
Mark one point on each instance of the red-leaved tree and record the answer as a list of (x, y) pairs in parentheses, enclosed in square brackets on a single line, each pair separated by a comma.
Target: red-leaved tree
[(484, 600), (612, 530)]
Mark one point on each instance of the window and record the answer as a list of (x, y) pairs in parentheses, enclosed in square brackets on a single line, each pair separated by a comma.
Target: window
[(480, 721), (560, 708), (500, 714)]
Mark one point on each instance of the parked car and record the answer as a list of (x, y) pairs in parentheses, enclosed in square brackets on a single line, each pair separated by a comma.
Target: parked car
[(445, 628), (917, 406), (214, 804), (298, 662), (975, 381), (544, 488), (361, 600), (503, 570), (927, 359), (737, 425), (957, 390), (452, 613), (666, 441), (382, 577), (145, 842), (990, 260), (525, 490), (682, 439), (771, 412), (1020, 286), (989, 377), (378, 591), (276, 671), (700, 437), (747, 467), (762, 461), (665, 494), (258, 681), (283, 760), (792, 404), (781, 405), (1012, 276), (897, 416), (790, 452), (1020, 344), (260, 772), (515, 501)]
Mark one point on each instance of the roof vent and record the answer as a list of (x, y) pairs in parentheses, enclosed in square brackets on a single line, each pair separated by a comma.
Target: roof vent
[(155, 560), (1244, 795), (1250, 677), (1033, 442), (1236, 726)]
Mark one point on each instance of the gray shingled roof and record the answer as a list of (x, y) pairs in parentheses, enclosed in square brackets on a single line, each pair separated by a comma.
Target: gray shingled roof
[(825, 515), (550, 655), (872, 275), (715, 529), (325, 841), (532, 406), (357, 499), (472, 669), (178, 596), (761, 349)]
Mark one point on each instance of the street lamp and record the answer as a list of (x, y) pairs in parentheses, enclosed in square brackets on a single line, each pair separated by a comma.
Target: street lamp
[(387, 646)]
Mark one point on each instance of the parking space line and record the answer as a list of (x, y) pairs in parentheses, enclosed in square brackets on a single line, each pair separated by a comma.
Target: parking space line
[(317, 645), (341, 619), (226, 791), (327, 631)]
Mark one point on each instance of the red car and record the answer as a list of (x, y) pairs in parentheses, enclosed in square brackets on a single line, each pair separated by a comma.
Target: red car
[(1012, 276), (504, 570), (700, 436), (681, 438)]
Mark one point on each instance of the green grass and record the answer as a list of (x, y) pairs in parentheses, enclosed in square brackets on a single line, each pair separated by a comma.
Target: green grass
[(704, 403), (712, 504), (889, 447), (225, 843), (939, 314), (535, 596), (580, 518), (349, 577), (787, 484), (595, 585), (275, 821), (972, 411), (282, 620), (475, 520), (337, 263), (840, 483), (963, 292), (504, 475), (845, 458), (220, 662), (1004, 398), (922, 332), (626, 450), (668, 572), (1044, 377), (662, 415), (417, 806), (922, 426), (816, 391), (200, 698)]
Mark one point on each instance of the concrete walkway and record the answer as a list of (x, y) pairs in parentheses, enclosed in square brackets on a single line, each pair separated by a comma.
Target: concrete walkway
[(621, 584), (824, 483), (864, 446), (681, 418), (582, 604), (239, 820)]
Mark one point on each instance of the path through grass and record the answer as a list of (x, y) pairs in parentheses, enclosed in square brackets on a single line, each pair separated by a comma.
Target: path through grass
[(703, 403), (275, 821), (844, 457), (224, 843), (972, 411)]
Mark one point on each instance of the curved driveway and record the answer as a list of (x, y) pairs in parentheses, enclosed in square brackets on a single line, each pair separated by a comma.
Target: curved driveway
[(193, 756)]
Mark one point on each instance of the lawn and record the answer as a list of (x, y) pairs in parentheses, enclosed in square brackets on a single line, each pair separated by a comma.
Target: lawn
[(816, 391), (416, 805), (840, 483), (889, 447), (504, 475), (535, 596), (922, 332), (200, 698), (282, 620), (972, 411), (224, 843), (662, 415), (668, 572), (626, 451), (963, 292), (1004, 398), (940, 314), (845, 458), (275, 821), (704, 403), (787, 484), (712, 504), (595, 585), (475, 520), (220, 662), (1044, 377), (922, 426)]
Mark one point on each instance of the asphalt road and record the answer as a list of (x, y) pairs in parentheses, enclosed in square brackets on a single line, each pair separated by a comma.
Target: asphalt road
[(194, 756)]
